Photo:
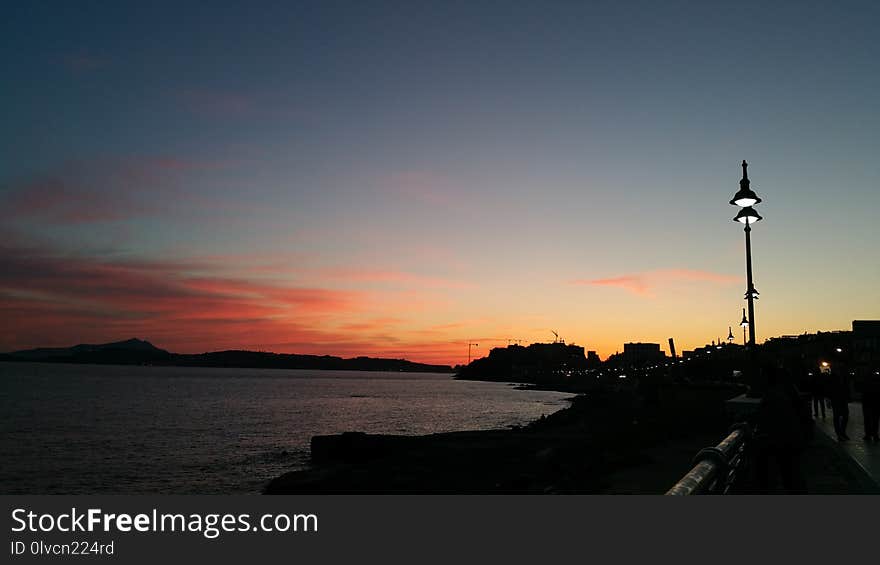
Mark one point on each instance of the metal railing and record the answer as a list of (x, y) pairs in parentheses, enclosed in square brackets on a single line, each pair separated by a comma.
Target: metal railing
[(715, 469)]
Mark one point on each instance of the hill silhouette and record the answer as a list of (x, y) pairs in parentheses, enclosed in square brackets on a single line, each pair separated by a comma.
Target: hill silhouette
[(140, 352)]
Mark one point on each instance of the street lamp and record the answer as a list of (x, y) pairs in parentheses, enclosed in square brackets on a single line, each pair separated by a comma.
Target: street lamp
[(744, 323), (745, 198), (469, 350)]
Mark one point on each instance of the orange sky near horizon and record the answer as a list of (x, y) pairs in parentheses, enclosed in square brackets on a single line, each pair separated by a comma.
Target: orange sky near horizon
[(191, 306)]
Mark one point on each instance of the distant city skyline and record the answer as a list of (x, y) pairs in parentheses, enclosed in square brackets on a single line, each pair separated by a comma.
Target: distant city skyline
[(401, 180)]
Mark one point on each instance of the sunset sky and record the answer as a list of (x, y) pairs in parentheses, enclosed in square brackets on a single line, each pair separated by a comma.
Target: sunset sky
[(401, 179)]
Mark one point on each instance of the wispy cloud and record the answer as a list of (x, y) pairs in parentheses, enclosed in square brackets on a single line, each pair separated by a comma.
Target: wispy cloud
[(48, 293), (373, 325), (49, 296), (102, 190), (644, 284)]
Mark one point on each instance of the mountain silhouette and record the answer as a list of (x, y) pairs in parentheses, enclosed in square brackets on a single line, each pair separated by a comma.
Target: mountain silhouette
[(128, 352), (139, 352)]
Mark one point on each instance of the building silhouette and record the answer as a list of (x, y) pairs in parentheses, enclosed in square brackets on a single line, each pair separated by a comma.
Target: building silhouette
[(637, 354)]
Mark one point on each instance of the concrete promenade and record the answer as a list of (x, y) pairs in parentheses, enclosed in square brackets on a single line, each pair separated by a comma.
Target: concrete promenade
[(828, 466), (865, 455)]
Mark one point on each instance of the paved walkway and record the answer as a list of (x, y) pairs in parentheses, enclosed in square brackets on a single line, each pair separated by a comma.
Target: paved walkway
[(829, 467), (865, 455)]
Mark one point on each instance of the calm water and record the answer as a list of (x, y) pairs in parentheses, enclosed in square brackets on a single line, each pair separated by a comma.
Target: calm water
[(113, 429)]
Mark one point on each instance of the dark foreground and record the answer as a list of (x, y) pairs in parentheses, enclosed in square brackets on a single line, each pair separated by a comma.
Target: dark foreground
[(595, 446)]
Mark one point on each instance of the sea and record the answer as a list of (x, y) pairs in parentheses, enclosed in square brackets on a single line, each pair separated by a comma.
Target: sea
[(108, 429)]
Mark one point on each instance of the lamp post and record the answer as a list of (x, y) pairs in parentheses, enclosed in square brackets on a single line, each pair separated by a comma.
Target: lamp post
[(745, 198), (744, 323), (469, 350)]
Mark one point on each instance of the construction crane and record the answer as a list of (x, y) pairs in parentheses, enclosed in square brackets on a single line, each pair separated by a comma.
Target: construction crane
[(556, 335)]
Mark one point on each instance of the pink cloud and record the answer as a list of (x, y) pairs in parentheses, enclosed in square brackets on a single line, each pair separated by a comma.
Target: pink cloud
[(40, 289), (372, 325), (52, 298), (102, 190), (643, 284)]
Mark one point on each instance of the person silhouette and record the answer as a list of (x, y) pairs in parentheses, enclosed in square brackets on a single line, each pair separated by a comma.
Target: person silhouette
[(840, 397), (817, 393), (870, 389), (781, 432)]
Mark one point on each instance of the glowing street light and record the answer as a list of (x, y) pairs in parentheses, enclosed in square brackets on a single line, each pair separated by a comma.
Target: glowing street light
[(748, 216), (746, 198)]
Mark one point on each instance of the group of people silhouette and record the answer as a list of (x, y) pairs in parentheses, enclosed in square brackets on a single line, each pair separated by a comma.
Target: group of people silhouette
[(783, 422), (833, 389)]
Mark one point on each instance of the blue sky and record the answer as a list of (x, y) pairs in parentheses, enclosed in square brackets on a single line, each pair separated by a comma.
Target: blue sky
[(456, 170)]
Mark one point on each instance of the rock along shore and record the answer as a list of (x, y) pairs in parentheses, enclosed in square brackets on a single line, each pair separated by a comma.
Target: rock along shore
[(580, 449)]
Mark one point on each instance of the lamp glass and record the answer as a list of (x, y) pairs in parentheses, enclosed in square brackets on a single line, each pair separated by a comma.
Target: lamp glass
[(745, 202), (747, 215)]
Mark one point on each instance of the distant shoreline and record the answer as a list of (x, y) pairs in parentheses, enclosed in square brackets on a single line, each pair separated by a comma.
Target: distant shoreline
[(449, 372), (139, 352)]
